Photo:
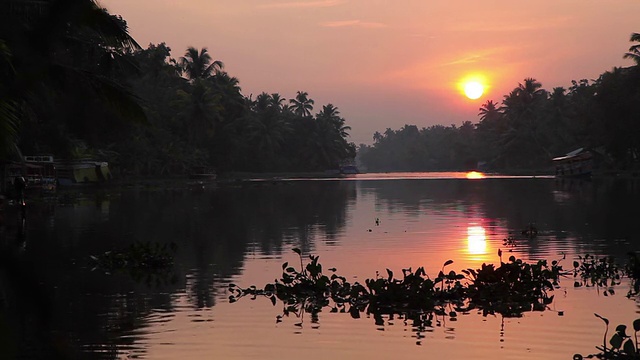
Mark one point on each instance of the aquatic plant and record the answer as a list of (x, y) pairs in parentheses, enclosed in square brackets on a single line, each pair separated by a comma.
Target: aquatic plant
[(514, 287), (142, 260), (510, 289), (632, 271), (623, 347), (593, 271)]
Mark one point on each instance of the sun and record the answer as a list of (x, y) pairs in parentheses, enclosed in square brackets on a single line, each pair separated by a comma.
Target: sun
[(473, 89), (473, 85)]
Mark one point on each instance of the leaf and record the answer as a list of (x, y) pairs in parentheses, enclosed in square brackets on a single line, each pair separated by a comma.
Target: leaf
[(390, 273), (622, 330), (448, 262), (354, 312), (575, 264), (285, 265), (606, 321), (297, 251), (616, 341), (628, 347), (273, 300), (636, 325)]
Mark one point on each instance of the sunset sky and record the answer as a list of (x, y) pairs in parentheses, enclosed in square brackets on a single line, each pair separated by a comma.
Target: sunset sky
[(385, 64)]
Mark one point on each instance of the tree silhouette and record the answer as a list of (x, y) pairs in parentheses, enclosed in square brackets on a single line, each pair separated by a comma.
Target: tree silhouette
[(634, 50), (302, 105), (199, 65)]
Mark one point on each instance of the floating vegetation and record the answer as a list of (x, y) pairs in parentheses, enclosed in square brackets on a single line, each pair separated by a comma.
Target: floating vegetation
[(592, 271), (510, 289), (622, 346), (142, 260)]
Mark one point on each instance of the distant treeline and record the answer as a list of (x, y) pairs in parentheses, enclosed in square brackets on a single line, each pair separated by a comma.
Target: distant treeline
[(74, 84), (527, 129)]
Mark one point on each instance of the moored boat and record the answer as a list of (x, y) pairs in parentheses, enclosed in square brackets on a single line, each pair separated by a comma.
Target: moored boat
[(82, 171), (577, 163), (202, 173), (349, 170)]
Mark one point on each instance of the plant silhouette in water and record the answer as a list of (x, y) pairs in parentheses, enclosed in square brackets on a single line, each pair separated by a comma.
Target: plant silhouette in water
[(141, 260), (590, 271), (510, 289), (622, 345)]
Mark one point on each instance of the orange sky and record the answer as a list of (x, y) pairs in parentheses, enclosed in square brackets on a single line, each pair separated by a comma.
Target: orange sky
[(387, 65)]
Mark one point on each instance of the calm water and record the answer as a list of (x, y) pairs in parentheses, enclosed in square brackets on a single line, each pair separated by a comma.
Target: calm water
[(52, 302)]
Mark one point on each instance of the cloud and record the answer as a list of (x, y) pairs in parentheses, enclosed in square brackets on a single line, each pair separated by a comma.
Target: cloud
[(353, 23), (519, 26), (302, 4), (479, 56)]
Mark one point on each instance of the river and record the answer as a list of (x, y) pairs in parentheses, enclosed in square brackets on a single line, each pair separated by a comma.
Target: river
[(54, 302)]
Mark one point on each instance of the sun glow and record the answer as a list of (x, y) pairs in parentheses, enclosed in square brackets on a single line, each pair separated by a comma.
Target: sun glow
[(475, 175), (473, 86)]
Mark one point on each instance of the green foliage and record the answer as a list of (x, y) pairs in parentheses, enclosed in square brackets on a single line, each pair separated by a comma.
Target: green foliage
[(514, 287), (525, 131), (510, 289), (70, 74), (141, 260)]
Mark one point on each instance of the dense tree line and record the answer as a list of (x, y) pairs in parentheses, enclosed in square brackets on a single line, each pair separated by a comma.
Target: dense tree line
[(74, 84), (530, 126)]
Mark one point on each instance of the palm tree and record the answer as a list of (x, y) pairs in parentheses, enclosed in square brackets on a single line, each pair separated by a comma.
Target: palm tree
[(331, 114), (198, 65), (302, 105), (277, 101), (530, 90), (64, 53), (8, 108), (232, 100), (489, 110), (491, 128), (262, 102), (523, 109), (199, 108), (634, 50)]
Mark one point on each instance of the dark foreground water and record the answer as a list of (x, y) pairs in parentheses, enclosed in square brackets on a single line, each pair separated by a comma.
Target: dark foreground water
[(52, 305)]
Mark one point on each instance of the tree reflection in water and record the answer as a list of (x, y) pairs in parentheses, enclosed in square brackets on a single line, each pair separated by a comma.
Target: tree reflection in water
[(52, 303)]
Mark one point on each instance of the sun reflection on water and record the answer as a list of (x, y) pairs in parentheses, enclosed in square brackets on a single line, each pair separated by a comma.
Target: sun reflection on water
[(476, 240)]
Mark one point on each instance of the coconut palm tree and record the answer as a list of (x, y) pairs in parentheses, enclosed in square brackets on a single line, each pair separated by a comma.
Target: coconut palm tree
[(277, 101), (66, 55), (8, 108), (302, 105), (198, 64), (199, 108), (523, 109), (489, 111), (331, 114), (634, 50)]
